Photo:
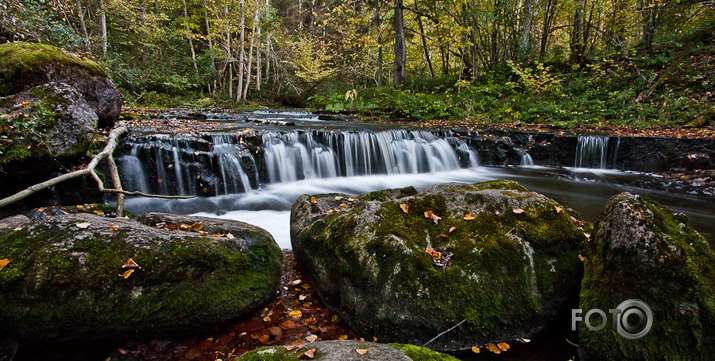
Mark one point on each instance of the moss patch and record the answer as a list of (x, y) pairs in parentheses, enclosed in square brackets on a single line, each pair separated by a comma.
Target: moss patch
[(422, 354)]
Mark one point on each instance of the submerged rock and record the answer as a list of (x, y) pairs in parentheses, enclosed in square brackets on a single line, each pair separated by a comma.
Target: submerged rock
[(405, 266), (70, 279), (24, 65), (345, 351), (644, 251)]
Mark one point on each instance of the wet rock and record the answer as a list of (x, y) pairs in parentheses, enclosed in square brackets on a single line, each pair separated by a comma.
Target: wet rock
[(70, 279), (406, 277), (9, 224), (644, 251), (25, 65), (346, 351)]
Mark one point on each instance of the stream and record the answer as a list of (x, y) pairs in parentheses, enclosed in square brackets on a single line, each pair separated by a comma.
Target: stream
[(254, 172)]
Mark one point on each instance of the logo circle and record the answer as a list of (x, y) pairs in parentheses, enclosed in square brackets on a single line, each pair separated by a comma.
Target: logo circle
[(634, 320)]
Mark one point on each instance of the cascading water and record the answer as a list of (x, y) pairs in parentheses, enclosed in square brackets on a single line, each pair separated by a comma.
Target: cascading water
[(592, 151), (223, 164), (526, 160)]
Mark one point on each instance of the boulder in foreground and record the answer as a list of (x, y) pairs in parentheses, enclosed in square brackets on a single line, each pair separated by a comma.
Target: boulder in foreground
[(345, 351), (70, 276), (405, 266)]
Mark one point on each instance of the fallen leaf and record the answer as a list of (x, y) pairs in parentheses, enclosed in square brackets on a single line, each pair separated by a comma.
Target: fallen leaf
[(468, 217), (302, 297), (83, 225), (17, 229), (524, 340), (337, 198), (310, 353), (229, 236), (361, 351), (159, 180), (313, 200), (558, 209), (171, 166), (503, 346), (197, 226), (296, 282), (433, 253), (130, 264), (127, 273), (435, 218), (25, 104), (452, 229), (405, 208), (311, 338), (114, 228), (518, 211), (493, 348), (170, 227), (343, 205), (288, 324), (290, 348), (581, 258), (476, 350), (4, 262), (576, 222), (295, 314), (343, 337), (443, 235)]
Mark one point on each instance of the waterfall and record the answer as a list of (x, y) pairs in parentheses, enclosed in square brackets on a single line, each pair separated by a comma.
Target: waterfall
[(218, 164), (291, 156), (526, 159), (592, 152)]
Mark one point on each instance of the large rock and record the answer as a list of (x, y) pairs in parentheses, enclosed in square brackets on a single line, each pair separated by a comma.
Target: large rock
[(25, 65), (646, 252), (47, 125), (346, 351), (66, 280), (513, 266)]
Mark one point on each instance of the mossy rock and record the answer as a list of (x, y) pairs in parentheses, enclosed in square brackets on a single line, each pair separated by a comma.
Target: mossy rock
[(644, 251), (66, 280), (25, 65), (346, 351), (513, 266)]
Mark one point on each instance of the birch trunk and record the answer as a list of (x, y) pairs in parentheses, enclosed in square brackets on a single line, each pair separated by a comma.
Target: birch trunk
[(190, 36)]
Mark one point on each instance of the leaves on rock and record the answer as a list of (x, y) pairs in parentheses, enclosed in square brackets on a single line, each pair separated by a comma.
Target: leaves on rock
[(4, 262), (309, 354), (313, 200), (452, 229), (361, 351), (518, 211), (83, 225), (130, 264), (558, 209), (311, 338), (441, 258), (468, 217), (127, 273), (576, 222), (405, 208), (114, 228), (435, 218), (476, 349)]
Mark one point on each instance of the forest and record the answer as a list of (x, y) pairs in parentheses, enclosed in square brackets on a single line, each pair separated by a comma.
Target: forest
[(561, 62)]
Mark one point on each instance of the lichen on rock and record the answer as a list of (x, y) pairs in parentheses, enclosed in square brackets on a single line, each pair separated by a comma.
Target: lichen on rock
[(514, 264)]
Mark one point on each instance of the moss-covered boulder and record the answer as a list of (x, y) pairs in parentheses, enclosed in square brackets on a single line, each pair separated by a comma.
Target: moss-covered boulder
[(69, 277), (405, 266), (24, 65), (44, 129), (644, 251), (345, 351)]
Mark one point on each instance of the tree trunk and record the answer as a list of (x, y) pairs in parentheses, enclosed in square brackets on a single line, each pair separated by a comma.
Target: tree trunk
[(83, 26), (189, 36), (103, 22), (250, 52), (526, 29), (229, 55), (400, 51), (379, 43), (242, 52), (211, 44), (424, 42)]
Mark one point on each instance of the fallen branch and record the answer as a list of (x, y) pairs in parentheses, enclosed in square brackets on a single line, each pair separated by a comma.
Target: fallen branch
[(106, 153), (443, 332)]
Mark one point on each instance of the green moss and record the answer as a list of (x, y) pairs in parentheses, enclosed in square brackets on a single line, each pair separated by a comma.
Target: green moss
[(272, 354), (25, 60), (422, 354)]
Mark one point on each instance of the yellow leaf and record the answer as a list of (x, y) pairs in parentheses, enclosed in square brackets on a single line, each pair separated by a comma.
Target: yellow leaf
[(127, 273), (197, 226), (311, 338), (433, 253), (518, 211), (452, 229), (493, 348), (361, 351), (343, 337), (503, 346), (4, 262), (558, 209), (476, 349), (404, 207), (25, 104), (159, 180), (114, 228), (468, 217), (295, 314), (313, 200)]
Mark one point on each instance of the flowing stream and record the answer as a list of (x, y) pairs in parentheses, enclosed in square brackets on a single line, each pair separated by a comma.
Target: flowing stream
[(255, 177)]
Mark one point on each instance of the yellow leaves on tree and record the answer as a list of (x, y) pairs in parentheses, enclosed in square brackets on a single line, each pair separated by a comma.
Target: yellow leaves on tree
[(4, 262), (405, 208), (435, 218)]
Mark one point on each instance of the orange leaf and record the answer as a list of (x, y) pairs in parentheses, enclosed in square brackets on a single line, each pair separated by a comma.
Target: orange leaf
[(197, 226), (558, 209), (184, 226), (130, 264), (25, 104), (493, 348), (443, 235), (435, 218), (503, 346), (310, 353), (476, 349), (581, 258), (4, 262), (288, 324), (433, 253), (452, 229), (171, 227), (576, 222), (114, 228), (468, 217), (361, 351), (313, 200), (518, 211), (127, 273), (405, 208), (159, 180)]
